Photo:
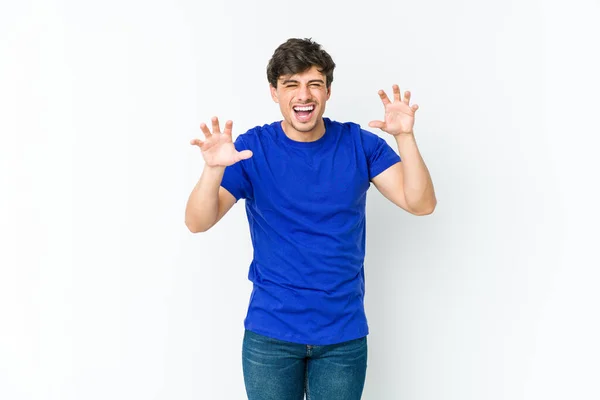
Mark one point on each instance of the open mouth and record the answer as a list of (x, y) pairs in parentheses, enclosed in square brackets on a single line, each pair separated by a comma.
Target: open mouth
[(304, 113)]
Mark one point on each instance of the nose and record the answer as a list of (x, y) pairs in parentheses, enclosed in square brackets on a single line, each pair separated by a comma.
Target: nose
[(303, 93)]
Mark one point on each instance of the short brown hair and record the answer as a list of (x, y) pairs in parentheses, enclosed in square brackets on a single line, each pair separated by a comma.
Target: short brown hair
[(296, 56)]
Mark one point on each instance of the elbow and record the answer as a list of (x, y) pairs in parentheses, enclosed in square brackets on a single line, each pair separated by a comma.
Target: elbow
[(195, 227), (424, 212), (424, 209)]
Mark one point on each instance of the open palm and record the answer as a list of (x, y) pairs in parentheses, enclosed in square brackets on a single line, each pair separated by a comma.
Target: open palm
[(399, 117), (217, 148)]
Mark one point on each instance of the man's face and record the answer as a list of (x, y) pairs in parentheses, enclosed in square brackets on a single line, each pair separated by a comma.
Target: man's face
[(302, 99)]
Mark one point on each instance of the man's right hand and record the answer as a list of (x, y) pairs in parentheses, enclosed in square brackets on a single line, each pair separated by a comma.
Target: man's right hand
[(217, 148)]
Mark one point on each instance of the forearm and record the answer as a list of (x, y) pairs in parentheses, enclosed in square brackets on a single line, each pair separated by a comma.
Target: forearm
[(418, 186), (203, 204)]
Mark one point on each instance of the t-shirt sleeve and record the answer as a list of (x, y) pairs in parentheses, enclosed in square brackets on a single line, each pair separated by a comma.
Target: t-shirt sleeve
[(235, 177), (380, 155)]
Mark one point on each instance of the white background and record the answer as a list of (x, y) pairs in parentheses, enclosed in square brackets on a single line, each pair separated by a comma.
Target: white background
[(104, 294)]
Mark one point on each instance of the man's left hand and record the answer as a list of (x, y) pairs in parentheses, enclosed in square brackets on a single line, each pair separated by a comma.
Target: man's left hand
[(399, 117)]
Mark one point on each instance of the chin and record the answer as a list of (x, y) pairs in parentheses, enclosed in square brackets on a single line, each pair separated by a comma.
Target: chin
[(304, 127), (307, 126)]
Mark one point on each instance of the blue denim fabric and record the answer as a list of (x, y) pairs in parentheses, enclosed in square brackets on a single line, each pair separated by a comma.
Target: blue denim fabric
[(279, 370)]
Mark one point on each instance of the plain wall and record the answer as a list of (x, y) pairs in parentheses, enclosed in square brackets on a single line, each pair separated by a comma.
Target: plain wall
[(104, 294)]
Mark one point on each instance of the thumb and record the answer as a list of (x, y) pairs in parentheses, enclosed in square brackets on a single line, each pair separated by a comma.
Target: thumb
[(377, 124), (244, 154)]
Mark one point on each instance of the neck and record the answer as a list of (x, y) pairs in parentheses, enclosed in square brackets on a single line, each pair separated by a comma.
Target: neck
[(308, 136)]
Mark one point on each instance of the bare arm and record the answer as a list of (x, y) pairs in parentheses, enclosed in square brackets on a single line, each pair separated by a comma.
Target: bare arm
[(408, 183), (209, 202), (417, 183)]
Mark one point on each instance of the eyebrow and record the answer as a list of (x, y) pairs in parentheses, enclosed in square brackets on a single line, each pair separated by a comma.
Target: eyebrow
[(295, 81)]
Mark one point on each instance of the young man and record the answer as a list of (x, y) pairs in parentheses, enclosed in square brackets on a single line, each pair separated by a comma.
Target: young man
[(305, 180)]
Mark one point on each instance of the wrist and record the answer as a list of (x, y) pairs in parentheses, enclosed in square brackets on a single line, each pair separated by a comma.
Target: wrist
[(214, 169), (214, 166), (405, 136)]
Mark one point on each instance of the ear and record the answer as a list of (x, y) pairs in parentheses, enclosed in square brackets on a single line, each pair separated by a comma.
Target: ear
[(274, 93), (328, 92)]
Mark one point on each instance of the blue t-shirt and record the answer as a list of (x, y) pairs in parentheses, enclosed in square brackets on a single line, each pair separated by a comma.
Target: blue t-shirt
[(305, 203)]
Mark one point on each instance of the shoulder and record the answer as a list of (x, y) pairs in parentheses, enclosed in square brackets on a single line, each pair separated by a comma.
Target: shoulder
[(257, 134), (365, 137), (341, 126)]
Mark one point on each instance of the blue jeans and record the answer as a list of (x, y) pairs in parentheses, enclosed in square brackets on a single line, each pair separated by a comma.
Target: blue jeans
[(278, 370)]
